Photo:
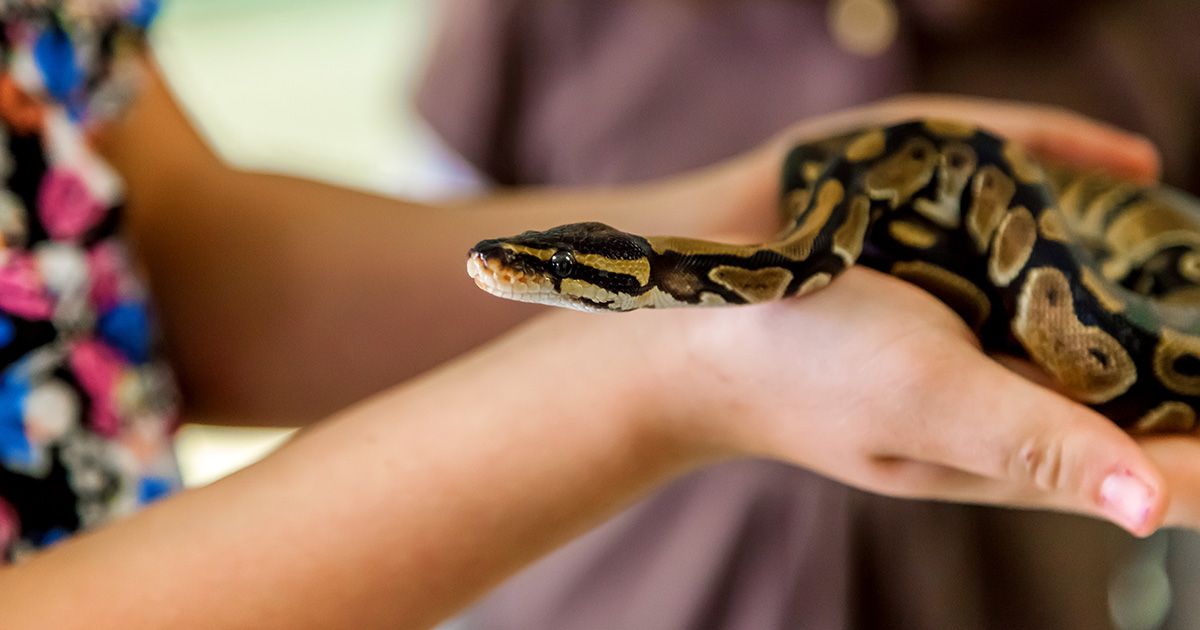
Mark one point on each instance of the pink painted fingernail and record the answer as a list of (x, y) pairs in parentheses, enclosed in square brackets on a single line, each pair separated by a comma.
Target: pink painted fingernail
[(1126, 499)]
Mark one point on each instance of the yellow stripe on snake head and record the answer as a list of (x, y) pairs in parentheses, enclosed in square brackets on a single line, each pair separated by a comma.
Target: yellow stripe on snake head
[(539, 253), (639, 268)]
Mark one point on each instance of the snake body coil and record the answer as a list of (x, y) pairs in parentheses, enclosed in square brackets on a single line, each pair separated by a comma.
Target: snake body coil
[(1097, 281)]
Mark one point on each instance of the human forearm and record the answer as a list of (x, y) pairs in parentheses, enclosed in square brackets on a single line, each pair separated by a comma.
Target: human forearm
[(400, 510), (394, 514), (351, 292)]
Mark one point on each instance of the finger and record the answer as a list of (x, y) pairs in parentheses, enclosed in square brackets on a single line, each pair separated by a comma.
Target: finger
[(1051, 133), (1123, 155), (922, 480), (1178, 456), (985, 420)]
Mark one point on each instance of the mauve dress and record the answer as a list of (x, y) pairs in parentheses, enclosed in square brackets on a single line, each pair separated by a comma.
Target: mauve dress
[(576, 92)]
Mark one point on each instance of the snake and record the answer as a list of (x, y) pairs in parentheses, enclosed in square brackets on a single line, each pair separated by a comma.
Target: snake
[(1094, 279)]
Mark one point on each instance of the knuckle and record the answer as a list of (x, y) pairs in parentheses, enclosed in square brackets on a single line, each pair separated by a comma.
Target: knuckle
[(1042, 462)]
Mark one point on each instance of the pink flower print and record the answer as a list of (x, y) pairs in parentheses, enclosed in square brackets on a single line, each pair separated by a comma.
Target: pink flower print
[(67, 207), (98, 369), (22, 292), (10, 527), (106, 265)]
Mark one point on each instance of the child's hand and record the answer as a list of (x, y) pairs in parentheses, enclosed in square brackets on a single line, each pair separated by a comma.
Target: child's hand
[(875, 383)]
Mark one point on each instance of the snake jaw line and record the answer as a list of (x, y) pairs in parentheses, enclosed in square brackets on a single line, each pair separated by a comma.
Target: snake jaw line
[(1097, 280), (491, 275)]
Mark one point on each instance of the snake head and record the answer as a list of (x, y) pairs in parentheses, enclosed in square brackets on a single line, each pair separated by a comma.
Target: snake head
[(584, 266)]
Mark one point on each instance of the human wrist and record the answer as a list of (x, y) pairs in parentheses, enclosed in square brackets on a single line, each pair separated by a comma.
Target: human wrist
[(681, 392), (642, 367), (618, 374), (734, 199)]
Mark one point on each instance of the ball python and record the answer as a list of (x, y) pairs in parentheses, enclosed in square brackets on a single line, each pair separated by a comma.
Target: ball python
[(1095, 280)]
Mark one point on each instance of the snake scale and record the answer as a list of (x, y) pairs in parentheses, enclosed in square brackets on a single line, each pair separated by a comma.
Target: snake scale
[(1095, 280)]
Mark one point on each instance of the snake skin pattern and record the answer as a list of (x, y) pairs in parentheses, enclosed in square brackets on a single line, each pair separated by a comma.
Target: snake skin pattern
[(1095, 280)]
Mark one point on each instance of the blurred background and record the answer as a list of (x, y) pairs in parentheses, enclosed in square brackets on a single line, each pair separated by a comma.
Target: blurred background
[(324, 89), (307, 87)]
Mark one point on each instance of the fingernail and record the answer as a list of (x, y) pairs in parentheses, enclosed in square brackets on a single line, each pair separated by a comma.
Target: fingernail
[(1126, 499)]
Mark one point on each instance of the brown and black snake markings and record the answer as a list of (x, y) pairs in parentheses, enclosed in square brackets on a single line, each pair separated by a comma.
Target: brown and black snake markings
[(1097, 281)]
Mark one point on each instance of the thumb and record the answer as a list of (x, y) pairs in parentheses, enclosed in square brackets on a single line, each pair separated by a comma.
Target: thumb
[(1050, 451)]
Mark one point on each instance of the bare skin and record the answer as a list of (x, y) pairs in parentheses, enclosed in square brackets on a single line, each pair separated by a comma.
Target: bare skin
[(400, 510), (255, 271)]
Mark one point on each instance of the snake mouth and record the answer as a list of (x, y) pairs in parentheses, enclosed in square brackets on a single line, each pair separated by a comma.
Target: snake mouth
[(493, 276)]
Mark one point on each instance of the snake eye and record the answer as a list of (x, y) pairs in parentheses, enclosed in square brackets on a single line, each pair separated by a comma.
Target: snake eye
[(562, 262)]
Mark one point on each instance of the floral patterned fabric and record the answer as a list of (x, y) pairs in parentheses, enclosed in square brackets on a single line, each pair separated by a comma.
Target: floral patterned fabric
[(86, 408)]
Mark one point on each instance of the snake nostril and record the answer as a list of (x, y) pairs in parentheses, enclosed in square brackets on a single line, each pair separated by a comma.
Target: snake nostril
[(490, 248)]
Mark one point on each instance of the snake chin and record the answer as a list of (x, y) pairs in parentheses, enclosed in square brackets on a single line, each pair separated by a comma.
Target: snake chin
[(492, 276), (1097, 280)]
